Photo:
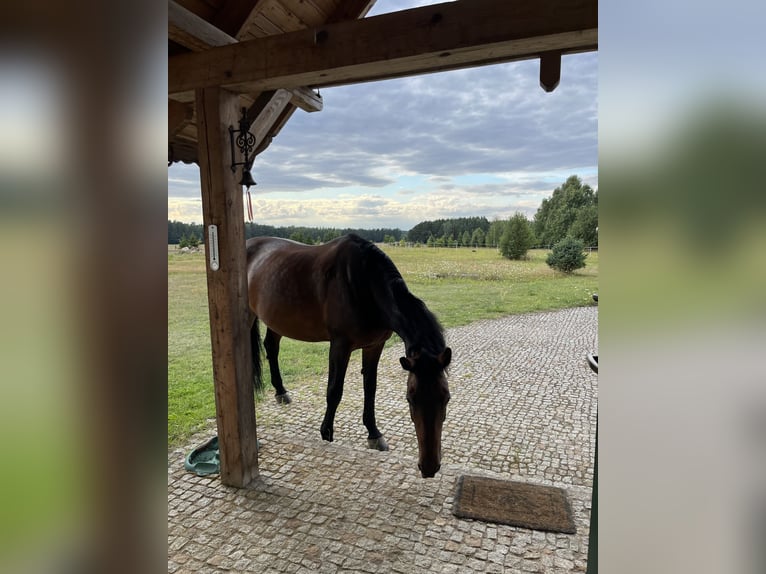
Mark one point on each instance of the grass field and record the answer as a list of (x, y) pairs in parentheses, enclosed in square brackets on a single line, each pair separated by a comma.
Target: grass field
[(458, 285)]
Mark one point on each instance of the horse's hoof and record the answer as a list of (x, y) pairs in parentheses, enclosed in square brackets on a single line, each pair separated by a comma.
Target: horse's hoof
[(377, 443), (284, 398), (326, 434)]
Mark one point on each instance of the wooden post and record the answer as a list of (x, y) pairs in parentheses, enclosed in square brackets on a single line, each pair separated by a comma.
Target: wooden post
[(217, 109)]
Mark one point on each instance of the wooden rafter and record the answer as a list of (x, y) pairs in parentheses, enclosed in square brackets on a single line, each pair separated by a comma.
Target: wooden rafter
[(267, 113), (350, 10), (432, 38), (234, 14), (179, 115), (197, 34), (192, 31)]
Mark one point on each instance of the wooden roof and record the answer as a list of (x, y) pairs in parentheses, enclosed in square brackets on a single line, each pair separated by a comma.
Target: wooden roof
[(198, 25), (274, 53)]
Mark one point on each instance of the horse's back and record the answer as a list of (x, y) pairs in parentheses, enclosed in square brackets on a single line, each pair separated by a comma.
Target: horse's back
[(285, 287), (309, 292)]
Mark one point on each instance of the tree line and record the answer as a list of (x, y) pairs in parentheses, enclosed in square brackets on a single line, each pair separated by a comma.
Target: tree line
[(177, 231), (452, 231), (570, 212)]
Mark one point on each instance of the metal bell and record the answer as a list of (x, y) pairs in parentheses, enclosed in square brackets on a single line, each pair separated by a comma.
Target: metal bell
[(247, 179)]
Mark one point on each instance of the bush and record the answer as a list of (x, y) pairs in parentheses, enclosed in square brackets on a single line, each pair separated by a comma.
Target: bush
[(567, 255), (517, 238), (191, 241)]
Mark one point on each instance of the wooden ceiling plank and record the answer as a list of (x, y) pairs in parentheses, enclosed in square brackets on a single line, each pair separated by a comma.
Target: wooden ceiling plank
[(309, 13), (201, 8), (234, 14), (259, 27), (432, 38), (350, 10), (181, 19), (285, 18)]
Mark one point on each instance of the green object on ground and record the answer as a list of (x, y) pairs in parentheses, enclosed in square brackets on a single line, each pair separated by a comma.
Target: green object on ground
[(204, 460)]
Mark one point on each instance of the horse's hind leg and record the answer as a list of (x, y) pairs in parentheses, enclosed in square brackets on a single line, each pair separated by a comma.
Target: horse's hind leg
[(271, 344), (370, 359)]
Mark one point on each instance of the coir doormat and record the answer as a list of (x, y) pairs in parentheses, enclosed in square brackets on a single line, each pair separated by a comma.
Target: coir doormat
[(513, 503)]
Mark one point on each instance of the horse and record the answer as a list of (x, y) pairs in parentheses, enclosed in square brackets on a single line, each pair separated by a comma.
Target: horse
[(350, 293)]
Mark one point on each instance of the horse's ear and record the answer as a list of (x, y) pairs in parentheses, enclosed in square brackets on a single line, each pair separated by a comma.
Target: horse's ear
[(407, 364), (445, 358)]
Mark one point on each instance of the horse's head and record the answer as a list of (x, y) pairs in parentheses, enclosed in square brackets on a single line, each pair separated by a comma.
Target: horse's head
[(428, 395)]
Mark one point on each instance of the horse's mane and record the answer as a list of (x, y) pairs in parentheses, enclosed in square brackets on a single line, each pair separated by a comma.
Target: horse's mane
[(406, 315)]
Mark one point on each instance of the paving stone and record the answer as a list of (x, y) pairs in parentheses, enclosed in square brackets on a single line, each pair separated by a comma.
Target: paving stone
[(523, 408)]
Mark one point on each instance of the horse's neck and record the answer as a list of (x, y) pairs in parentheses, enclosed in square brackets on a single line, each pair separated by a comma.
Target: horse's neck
[(406, 315), (413, 323)]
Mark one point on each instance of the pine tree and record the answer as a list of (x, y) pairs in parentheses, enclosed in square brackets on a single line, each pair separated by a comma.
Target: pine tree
[(517, 238)]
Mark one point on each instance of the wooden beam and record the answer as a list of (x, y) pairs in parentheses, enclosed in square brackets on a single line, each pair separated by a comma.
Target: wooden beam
[(192, 31), (189, 30), (432, 38), (550, 70), (275, 128), (350, 10), (306, 99), (233, 15), (178, 116), (266, 110), (227, 288)]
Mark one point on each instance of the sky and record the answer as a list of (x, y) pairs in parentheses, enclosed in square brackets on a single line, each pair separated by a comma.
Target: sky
[(484, 141)]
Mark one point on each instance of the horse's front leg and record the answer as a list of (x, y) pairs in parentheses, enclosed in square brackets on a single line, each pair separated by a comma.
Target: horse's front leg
[(340, 351), (370, 359)]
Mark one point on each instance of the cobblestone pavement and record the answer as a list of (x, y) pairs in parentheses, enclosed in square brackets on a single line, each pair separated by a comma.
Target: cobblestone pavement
[(523, 408)]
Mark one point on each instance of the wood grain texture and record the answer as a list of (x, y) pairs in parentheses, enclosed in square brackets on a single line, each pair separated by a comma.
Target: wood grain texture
[(227, 289), (432, 38)]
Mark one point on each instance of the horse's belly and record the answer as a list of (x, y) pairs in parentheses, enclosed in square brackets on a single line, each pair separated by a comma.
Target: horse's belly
[(294, 322), (298, 330)]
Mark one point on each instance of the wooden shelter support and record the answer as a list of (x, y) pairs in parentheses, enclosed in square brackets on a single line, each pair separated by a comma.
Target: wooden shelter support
[(431, 38), (550, 70), (222, 206)]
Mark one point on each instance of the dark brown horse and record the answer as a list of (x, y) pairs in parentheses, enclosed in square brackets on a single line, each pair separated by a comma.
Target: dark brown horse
[(349, 292)]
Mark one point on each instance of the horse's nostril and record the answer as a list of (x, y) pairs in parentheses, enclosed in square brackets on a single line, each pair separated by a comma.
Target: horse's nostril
[(430, 472)]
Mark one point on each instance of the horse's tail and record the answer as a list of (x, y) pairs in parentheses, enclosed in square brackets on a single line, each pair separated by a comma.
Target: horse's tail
[(255, 344)]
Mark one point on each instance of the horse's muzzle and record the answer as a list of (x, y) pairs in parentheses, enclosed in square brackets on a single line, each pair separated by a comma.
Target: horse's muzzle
[(429, 472)]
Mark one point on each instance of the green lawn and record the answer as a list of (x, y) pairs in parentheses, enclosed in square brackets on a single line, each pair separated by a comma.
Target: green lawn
[(458, 285)]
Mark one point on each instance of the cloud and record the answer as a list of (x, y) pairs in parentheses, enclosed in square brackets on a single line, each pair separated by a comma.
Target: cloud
[(183, 182), (182, 209), (488, 133), (402, 211), (482, 120)]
